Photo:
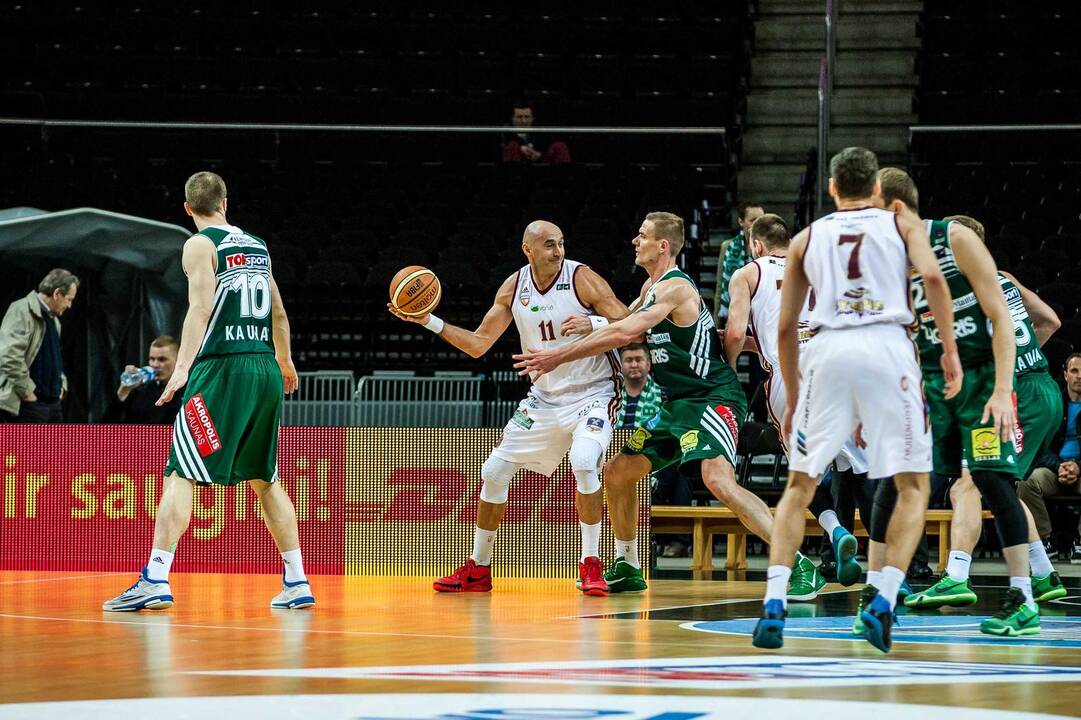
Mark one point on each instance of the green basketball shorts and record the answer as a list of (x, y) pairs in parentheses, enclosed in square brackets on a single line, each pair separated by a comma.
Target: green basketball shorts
[(956, 428), (689, 430), (1039, 412), (227, 429)]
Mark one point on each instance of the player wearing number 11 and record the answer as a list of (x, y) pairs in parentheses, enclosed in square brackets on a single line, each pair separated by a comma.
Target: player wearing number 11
[(226, 432)]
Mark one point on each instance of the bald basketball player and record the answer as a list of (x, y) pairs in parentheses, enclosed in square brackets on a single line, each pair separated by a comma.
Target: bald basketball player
[(553, 302)]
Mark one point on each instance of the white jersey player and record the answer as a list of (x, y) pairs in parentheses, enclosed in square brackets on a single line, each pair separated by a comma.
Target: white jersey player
[(552, 301), (858, 367)]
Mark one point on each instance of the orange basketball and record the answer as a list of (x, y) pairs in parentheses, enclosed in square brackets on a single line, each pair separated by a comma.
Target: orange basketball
[(415, 291)]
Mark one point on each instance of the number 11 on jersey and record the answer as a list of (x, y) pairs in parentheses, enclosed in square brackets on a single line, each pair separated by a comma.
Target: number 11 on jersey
[(547, 331)]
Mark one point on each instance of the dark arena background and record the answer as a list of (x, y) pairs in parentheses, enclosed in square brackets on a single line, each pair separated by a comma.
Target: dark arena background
[(360, 138)]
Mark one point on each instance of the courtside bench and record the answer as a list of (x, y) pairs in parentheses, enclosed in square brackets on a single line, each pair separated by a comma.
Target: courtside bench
[(705, 521)]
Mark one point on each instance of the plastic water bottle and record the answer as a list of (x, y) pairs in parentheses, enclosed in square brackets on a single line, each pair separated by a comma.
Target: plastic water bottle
[(138, 376)]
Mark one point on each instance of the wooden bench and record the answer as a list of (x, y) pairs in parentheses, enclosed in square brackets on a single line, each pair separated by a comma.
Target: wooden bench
[(705, 521)]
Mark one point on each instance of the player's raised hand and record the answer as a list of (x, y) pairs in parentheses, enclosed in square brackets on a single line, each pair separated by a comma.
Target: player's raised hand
[(576, 325), (420, 319), (952, 373), (1000, 407), (177, 380), (536, 362), (289, 375)]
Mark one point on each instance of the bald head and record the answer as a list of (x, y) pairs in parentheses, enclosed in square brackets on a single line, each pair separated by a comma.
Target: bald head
[(542, 243), (540, 229)]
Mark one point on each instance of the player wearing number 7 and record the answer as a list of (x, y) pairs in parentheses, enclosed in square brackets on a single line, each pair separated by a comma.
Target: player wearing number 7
[(858, 367), (235, 362)]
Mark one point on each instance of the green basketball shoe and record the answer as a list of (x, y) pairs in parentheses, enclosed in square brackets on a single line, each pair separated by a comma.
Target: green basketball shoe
[(944, 592), (623, 577), (1013, 618), (805, 581), (866, 596), (1047, 588)]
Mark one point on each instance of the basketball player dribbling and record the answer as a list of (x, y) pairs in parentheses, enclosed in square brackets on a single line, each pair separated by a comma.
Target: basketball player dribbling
[(235, 343), (859, 367), (552, 301)]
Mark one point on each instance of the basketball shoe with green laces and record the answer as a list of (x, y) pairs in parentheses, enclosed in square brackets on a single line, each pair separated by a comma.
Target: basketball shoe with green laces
[(806, 581), (944, 592), (1048, 588), (623, 577), (1013, 618)]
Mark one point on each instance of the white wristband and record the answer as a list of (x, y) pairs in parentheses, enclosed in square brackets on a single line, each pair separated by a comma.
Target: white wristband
[(597, 322), (434, 324)]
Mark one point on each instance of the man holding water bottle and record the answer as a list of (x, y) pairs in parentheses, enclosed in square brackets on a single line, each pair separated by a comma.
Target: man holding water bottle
[(140, 387)]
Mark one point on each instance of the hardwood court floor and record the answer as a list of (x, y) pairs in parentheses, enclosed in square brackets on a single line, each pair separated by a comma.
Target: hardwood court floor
[(56, 644)]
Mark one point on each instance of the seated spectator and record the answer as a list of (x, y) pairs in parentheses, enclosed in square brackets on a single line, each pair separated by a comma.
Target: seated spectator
[(1056, 473), (136, 404), (526, 147), (735, 253), (642, 396)]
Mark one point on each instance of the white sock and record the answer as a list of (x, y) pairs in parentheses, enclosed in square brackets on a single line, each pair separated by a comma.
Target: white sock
[(777, 577), (157, 567), (829, 522), (958, 566), (1024, 584), (1038, 561), (591, 540), (891, 584), (628, 550), (294, 566), (482, 545), (874, 578)]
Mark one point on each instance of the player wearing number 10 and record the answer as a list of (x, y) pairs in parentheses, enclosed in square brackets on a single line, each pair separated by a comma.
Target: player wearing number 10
[(227, 430)]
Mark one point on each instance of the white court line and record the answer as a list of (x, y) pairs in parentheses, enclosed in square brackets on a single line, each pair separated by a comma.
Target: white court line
[(57, 579), (730, 601)]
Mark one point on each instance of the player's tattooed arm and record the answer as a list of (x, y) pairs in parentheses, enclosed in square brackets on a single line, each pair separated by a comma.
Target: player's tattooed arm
[(594, 292), (739, 311), (1045, 321)]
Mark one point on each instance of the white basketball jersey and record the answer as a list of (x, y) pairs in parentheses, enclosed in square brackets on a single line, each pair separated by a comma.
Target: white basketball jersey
[(766, 311), (857, 263), (538, 313)]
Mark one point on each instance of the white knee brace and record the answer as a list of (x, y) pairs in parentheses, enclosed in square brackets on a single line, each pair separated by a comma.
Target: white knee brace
[(496, 475), (585, 456)]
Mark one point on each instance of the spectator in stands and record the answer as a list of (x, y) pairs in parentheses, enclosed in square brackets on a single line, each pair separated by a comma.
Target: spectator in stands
[(32, 381), (1057, 471), (524, 146), (136, 404), (735, 253), (642, 396)]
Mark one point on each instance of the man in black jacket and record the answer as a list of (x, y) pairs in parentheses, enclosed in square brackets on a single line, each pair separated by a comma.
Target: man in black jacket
[(1056, 473)]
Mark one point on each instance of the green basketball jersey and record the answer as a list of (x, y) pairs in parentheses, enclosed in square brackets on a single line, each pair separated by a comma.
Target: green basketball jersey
[(1029, 355), (240, 317), (687, 361), (970, 326)]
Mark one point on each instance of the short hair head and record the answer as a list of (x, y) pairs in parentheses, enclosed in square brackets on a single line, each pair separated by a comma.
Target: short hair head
[(743, 207), (854, 171), (166, 341), (1070, 358), (632, 347), (971, 223), (668, 226), (896, 184), (58, 279), (771, 231), (204, 192)]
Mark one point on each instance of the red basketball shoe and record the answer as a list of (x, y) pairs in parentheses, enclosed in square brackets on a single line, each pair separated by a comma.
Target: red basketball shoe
[(468, 578), (591, 577)]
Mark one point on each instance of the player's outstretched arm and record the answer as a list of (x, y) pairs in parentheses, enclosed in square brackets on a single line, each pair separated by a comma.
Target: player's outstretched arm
[(283, 352), (1045, 321), (938, 298), (476, 342), (198, 262), (794, 287), (740, 288), (978, 266), (595, 292), (668, 296)]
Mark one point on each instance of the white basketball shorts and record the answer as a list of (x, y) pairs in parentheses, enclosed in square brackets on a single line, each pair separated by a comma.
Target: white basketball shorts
[(539, 433), (866, 375), (852, 456)]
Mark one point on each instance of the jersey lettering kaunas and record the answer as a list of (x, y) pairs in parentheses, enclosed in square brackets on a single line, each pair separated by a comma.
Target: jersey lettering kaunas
[(240, 319), (687, 361), (538, 313), (970, 326), (857, 264), (1029, 355), (766, 311)]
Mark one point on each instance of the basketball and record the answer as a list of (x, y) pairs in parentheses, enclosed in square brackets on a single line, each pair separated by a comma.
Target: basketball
[(415, 291)]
